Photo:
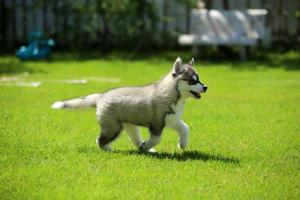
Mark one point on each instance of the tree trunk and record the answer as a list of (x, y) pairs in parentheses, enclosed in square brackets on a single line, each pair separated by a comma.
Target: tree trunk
[(225, 4), (2, 25)]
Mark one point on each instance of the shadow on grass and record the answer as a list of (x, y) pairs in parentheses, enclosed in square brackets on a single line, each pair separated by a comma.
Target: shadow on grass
[(13, 66), (287, 60), (184, 156), (169, 56)]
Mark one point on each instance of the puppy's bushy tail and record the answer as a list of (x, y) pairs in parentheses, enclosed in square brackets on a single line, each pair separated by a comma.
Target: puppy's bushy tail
[(87, 101)]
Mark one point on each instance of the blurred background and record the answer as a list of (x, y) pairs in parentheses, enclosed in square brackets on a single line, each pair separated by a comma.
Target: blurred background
[(142, 25)]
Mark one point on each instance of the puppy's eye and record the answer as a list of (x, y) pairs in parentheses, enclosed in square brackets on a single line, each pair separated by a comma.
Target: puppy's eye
[(192, 82)]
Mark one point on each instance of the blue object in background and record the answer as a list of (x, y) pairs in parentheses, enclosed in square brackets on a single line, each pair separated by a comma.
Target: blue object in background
[(38, 47)]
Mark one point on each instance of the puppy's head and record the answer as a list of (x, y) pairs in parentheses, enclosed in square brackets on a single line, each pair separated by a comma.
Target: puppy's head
[(189, 84)]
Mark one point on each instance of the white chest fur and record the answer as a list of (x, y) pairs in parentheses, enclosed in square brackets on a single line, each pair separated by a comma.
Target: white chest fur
[(172, 119)]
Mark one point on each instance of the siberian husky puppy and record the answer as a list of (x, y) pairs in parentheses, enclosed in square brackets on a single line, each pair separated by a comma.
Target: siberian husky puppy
[(155, 106)]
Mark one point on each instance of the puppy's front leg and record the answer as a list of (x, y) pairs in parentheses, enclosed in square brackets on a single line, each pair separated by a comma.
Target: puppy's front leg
[(183, 130)]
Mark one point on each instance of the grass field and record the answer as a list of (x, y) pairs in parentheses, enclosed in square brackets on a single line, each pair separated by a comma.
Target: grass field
[(245, 141)]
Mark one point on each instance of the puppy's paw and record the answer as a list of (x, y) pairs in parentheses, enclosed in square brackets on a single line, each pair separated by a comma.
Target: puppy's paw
[(103, 147), (142, 147), (182, 146), (58, 105), (152, 150), (106, 148)]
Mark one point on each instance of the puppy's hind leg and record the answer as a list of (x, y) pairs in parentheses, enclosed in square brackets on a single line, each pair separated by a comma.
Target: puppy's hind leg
[(109, 132), (134, 134)]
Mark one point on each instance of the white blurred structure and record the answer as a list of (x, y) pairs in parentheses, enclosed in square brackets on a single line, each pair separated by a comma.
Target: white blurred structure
[(227, 27)]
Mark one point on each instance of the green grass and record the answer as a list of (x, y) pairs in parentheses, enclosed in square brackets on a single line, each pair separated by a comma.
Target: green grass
[(244, 142)]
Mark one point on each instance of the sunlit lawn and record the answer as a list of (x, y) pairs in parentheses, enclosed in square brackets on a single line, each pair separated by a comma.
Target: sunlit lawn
[(244, 144)]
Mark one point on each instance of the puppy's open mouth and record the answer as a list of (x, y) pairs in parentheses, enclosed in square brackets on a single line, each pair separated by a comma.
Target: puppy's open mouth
[(196, 94)]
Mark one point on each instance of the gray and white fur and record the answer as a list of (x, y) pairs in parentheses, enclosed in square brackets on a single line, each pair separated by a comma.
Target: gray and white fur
[(154, 106)]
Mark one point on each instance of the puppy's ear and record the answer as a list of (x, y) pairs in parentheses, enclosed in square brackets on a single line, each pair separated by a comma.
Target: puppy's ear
[(177, 67), (191, 63)]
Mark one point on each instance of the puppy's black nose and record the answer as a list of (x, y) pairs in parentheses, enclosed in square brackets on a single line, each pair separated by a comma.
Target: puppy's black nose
[(204, 88)]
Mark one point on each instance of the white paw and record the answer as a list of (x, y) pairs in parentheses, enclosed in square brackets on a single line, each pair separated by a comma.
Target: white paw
[(182, 146), (106, 148), (58, 105), (142, 149), (152, 150)]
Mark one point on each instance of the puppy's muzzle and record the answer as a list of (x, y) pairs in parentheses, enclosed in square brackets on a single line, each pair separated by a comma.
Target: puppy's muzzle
[(204, 88)]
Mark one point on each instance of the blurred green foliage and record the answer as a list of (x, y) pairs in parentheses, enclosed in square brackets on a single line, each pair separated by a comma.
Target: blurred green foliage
[(118, 24)]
